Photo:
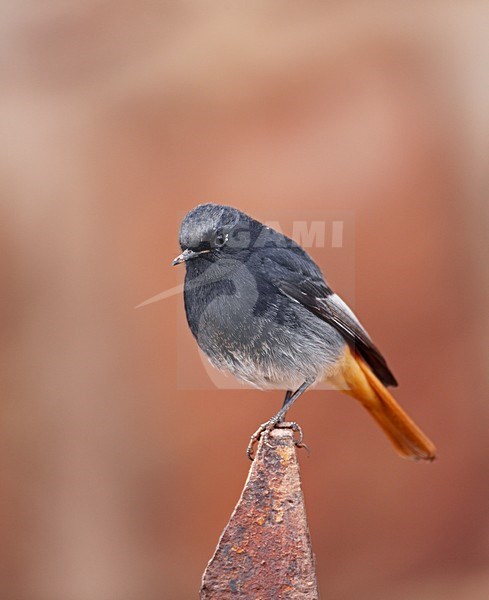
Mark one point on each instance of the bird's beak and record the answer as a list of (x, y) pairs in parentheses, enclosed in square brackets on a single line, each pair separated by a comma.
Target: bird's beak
[(187, 255)]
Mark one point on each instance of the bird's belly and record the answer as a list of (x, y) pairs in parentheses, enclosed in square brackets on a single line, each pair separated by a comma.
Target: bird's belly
[(268, 350)]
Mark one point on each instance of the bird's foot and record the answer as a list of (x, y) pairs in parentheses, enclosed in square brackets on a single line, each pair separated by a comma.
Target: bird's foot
[(266, 428)]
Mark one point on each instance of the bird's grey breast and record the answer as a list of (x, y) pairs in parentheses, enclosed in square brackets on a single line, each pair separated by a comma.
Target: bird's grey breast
[(247, 327), (220, 302)]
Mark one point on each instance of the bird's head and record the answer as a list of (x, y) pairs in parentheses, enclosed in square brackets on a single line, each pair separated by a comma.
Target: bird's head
[(210, 231)]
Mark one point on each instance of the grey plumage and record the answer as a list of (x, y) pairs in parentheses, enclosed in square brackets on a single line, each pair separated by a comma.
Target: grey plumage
[(259, 307)]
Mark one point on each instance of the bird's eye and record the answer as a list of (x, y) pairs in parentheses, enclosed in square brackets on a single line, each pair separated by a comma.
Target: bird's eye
[(220, 239)]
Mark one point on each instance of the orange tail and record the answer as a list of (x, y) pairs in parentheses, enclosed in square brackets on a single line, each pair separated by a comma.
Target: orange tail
[(407, 438)]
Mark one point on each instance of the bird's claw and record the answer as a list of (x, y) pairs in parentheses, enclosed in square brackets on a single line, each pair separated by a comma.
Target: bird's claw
[(296, 428), (265, 429), (255, 437)]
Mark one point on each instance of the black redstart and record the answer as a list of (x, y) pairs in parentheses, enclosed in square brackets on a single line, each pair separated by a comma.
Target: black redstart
[(260, 309)]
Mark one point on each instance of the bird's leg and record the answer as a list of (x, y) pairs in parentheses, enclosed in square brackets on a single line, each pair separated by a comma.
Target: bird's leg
[(290, 398), (278, 421), (288, 395)]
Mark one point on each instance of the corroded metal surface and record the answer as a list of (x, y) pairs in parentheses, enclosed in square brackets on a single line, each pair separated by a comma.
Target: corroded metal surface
[(265, 550)]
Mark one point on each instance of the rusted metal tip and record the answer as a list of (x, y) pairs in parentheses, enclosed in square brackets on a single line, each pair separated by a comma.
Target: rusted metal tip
[(265, 550)]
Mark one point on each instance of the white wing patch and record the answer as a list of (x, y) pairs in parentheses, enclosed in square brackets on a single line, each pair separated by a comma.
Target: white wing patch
[(335, 299)]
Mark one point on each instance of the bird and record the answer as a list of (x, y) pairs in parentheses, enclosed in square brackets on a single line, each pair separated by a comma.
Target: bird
[(259, 308)]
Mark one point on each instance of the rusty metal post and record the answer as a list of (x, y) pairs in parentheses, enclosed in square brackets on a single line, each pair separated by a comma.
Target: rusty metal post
[(265, 549)]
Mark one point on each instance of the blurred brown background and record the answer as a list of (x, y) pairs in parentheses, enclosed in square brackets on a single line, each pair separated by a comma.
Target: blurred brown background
[(118, 117)]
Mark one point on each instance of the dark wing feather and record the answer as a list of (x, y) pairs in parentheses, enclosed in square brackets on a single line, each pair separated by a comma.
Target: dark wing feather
[(293, 272), (331, 309)]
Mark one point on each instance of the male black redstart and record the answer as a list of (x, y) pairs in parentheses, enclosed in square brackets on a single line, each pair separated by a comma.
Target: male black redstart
[(260, 309)]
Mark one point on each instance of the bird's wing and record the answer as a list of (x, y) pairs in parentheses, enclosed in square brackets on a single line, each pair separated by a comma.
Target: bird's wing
[(299, 278)]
